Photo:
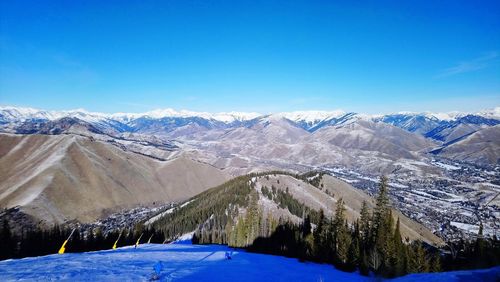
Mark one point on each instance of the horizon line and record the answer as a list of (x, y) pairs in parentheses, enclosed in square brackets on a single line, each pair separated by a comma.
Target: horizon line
[(174, 111)]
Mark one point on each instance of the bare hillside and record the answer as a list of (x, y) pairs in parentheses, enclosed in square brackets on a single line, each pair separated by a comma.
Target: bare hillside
[(64, 177), (482, 146)]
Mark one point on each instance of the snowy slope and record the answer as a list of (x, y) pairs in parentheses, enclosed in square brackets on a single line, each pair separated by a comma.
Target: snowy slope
[(181, 262), (185, 262), (310, 119), (481, 275)]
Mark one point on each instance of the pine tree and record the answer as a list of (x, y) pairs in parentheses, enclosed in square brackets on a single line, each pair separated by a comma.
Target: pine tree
[(7, 241), (480, 248), (387, 245), (397, 236), (435, 263), (382, 206), (240, 233), (399, 257), (306, 226), (319, 239), (342, 238), (252, 219), (364, 224), (343, 244), (364, 266), (374, 260), (418, 259), (353, 256), (99, 238), (382, 229)]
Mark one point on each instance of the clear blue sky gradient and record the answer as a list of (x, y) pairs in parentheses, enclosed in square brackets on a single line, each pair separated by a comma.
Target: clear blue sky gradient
[(265, 56)]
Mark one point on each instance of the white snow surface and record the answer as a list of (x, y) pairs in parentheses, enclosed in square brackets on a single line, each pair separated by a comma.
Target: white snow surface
[(186, 262), (449, 116), (181, 262), (24, 113), (446, 166), (224, 117), (311, 116), (169, 211), (491, 113), (20, 113)]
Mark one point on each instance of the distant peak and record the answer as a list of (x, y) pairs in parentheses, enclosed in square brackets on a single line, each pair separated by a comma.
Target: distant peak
[(308, 117), (311, 116)]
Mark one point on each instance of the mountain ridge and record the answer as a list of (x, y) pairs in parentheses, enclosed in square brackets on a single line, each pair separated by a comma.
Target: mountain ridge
[(308, 116), (442, 127), (63, 177)]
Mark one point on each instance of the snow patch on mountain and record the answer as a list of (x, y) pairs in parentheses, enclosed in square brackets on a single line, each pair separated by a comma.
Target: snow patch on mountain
[(311, 116), (22, 114), (491, 113), (226, 117)]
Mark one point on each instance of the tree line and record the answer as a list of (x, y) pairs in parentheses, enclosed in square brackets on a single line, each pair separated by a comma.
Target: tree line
[(41, 241)]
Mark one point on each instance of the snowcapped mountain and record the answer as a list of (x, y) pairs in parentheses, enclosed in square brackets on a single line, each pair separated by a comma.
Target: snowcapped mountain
[(491, 113), (462, 126), (21, 114), (443, 127), (24, 120), (419, 123), (310, 119), (9, 113), (479, 146), (228, 117)]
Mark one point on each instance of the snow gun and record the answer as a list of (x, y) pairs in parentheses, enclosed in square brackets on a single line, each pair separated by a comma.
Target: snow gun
[(138, 240), (63, 247), (116, 242)]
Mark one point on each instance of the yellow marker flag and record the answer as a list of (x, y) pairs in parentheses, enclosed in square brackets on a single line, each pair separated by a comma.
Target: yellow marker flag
[(63, 247), (138, 240), (114, 245)]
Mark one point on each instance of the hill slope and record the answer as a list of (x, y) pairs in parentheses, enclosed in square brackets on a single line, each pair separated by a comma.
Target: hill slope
[(482, 146), (276, 196), (64, 177)]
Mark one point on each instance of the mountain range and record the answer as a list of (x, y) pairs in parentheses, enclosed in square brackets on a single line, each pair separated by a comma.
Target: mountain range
[(310, 120), (441, 130), (443, 168)]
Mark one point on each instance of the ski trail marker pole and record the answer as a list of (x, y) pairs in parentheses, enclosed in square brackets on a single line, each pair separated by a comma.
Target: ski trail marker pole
[(116, 242), (63, 247), (138, 240)]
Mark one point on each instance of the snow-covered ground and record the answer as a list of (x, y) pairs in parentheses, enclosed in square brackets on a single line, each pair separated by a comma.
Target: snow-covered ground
[(169, 211), (181, 262), (446, 166), (186, 262)]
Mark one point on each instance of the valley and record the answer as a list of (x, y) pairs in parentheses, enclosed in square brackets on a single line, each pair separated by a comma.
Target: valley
[(431, 180)]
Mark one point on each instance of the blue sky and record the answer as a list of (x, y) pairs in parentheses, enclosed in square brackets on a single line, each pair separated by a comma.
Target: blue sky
[(265, 56)]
